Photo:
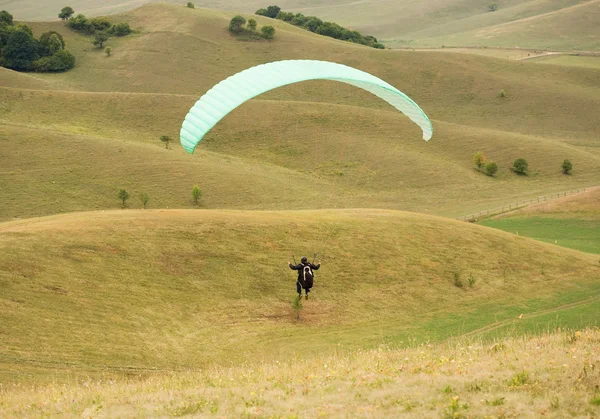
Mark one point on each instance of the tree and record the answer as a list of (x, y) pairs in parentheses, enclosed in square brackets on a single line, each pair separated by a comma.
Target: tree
[(145, 198), (268, 32), (520, 166), (82, 24), (123, 196), (479, 160), (120, 29), (261, 12), (492, 7), (191, 5), (252, 24), (313, 23), (20, 51), (108, 51), (567, 167), (196, 194), (66, 13), (491, 168), (6, 18), (286, 17), (48, 42), (273, 11), (236, 24), (99, 39), (165, 139)]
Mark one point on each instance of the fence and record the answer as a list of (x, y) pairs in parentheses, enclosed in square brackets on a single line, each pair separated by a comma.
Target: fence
[(519, 204)]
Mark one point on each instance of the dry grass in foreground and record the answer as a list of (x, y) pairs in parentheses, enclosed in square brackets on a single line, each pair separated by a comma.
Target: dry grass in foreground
[(555, 375)]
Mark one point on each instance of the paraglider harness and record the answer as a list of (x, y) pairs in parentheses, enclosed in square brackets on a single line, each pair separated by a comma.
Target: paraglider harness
[(307, 275)]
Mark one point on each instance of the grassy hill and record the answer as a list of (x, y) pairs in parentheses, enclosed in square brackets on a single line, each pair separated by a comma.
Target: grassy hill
[(314, 167), (554, 24), (341, 146), (571, 221), (122, 292)]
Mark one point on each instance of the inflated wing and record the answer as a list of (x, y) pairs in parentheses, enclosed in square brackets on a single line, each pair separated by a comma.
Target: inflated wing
[(235, 90)]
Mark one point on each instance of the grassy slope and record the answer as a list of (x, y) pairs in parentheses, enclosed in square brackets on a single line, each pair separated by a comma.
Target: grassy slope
[(565, 24), (183, 289), (365, 154), (551, 375), (572, 221)]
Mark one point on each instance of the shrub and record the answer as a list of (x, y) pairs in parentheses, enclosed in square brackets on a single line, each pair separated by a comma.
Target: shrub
[(100, 23), (191, 5), (60, 61), (472, 281), (297, 306), (108, 51), (502, 93), (165, 139), (145, 198), (123, 196), (252, 24), (479, 160), (491, 168), (196, 194), (120, 29), (492, 7), (268, 32), (457, 281), (236, 24), (567, 167), (520, 166)]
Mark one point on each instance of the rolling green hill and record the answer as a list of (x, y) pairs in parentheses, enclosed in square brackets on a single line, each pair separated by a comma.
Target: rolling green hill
[(343, 145), (139, 291), (554, 24)]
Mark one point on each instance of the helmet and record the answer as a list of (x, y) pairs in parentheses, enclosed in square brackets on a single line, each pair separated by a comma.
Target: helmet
[(303, 259)]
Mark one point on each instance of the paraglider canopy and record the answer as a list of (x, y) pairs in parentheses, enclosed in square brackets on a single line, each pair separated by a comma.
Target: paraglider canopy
[(235, 90)]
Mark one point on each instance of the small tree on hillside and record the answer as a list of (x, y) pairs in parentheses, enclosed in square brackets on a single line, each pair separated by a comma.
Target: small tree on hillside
[(108, 51), (479, 160), (145, 198), (491, 168), (6, 19), (268, 32), (123, 196), (66, 13), (567, 167), (520, 166), (236, 24), (252, 24), (165, 139), (191, 5), (99, 39), (492, 7), (196, 194)]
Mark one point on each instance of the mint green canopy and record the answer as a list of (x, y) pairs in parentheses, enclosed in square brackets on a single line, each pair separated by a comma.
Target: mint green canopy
[(235, 90)]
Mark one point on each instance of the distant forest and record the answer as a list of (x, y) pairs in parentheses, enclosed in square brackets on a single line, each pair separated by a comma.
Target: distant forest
[(316, 25)]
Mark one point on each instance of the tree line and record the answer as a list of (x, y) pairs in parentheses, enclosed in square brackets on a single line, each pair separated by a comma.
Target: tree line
[(520, 166), (316, 25), (21, 51)]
